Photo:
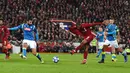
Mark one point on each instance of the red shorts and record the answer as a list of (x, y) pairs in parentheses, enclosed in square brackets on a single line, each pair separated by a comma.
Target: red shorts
[(89, 38)]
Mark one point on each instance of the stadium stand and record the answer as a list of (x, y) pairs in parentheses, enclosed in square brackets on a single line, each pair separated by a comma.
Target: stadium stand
[(15, 12)]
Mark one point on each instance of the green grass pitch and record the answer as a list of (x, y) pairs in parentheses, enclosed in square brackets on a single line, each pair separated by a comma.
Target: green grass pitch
[(67, 64)]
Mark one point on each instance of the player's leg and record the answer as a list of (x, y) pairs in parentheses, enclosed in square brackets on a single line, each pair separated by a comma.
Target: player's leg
[(34, 51), (79, 47), (105, 45), (88, 40), (24, 48), (85, 55), (113, 54), (124, 53), (8, 48), (99, 52), (5, 50), (100, 44), (103, 54)]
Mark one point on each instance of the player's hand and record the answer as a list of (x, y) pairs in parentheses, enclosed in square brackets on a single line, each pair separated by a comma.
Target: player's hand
[(104, 22), (118, 38), (105, 33)]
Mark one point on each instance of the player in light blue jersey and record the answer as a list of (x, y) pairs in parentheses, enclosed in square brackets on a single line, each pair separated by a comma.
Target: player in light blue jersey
[(29, 31), (100, 39), (110, 34)]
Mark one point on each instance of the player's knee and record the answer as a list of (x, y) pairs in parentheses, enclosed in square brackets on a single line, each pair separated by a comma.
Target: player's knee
[(84, 42), (25, 45), (86, 49), (34, 51)]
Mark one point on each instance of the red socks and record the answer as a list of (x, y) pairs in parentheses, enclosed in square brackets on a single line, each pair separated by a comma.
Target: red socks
[(85, 54)]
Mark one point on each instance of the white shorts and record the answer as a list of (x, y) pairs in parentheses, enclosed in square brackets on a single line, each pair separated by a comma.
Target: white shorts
[(30, 43), (111, 43), (100, 45)]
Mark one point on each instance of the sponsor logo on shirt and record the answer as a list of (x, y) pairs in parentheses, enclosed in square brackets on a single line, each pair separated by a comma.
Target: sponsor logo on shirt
[(28, 29)]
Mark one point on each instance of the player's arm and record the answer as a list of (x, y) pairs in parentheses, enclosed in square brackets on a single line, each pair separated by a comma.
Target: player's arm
[(17, 27), (85, 25), (36, 34), (97, 35), (61, 20), (73, 29), (118, 34), (113, 32), (74, 23)]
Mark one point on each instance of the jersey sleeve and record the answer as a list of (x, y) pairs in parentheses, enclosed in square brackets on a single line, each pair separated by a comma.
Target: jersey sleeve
[(117, 29), (36, 33), (74, 30), (17, 27), (97, 35), (113, 32), (87, 25)]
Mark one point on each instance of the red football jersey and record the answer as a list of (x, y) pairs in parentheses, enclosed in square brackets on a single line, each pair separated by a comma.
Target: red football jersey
[(4, 33), (84, 30)]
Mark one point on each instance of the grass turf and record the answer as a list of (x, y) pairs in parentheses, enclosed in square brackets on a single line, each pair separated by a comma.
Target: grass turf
[(67, 64)]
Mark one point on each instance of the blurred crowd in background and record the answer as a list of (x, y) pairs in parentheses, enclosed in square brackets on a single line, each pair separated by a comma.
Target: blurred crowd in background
[(15, 12)]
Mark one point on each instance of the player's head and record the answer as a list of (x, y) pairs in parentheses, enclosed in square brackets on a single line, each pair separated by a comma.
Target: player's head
[(100, 29), (106, 22), (111, 21), (1, 22), (29, 21)]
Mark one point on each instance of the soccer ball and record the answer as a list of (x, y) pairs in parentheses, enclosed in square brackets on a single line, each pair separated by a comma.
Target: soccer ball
[(55, 59)]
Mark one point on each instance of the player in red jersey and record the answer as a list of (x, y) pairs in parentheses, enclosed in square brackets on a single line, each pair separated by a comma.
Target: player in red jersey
[(83, 31), (4, 33)]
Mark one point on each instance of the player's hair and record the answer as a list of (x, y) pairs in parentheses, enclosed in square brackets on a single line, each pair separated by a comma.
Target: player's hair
[(112, 18), (29, 19)]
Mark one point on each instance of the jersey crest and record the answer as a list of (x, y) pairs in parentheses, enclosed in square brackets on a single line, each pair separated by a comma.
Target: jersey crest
[(27, 29)]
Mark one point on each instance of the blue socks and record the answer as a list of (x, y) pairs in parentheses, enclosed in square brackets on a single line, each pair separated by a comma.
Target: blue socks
[(24, 52), (103, 56), (124, 53), (99, 52)]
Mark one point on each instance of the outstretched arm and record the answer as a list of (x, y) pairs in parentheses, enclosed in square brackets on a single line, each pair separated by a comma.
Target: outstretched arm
[(17, 27), (72, 29), (87, 25), (73, 23), (113, 32)]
